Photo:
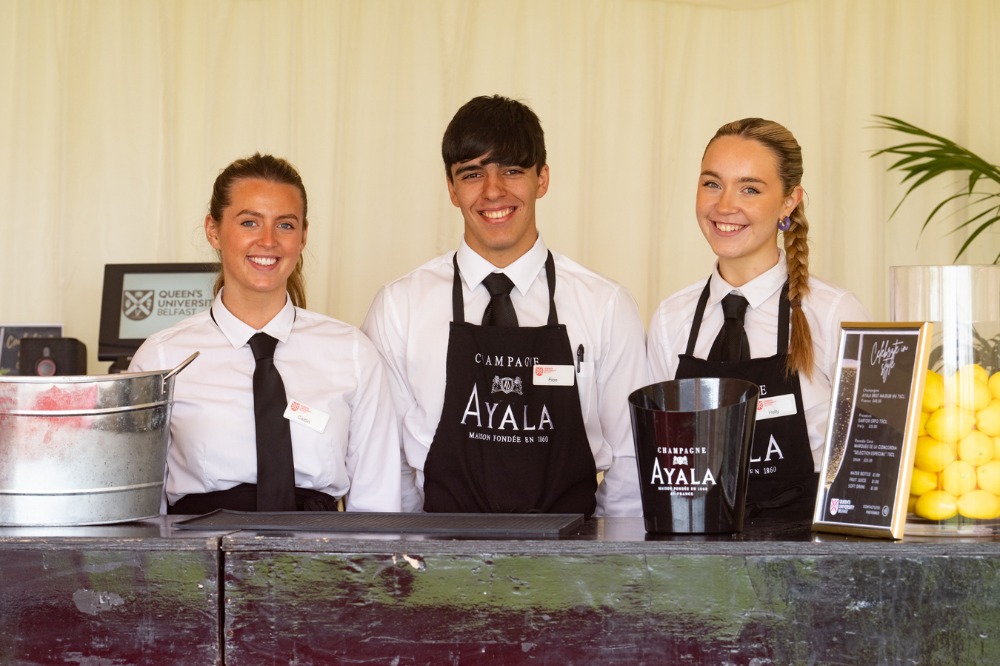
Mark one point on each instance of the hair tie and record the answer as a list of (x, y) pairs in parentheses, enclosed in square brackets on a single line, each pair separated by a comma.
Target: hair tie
[(795, 302), (785, 224)]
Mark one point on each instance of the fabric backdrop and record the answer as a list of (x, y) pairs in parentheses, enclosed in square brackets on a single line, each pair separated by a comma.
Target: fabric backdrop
[(116, 116)]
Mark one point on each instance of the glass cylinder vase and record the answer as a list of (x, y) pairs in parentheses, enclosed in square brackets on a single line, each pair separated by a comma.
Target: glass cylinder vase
[(955, 487)]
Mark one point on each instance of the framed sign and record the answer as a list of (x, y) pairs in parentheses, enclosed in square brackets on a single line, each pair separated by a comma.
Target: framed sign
[(872, 433), (12, 336)]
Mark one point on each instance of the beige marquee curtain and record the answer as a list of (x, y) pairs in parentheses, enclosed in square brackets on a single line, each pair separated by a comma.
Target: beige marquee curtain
[(116, 115)]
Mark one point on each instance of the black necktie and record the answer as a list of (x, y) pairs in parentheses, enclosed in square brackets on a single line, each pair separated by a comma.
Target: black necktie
[(500, 311), (731, 343), (275, 468)]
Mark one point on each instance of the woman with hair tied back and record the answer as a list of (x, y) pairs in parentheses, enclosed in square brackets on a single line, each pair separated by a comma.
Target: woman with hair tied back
[(284, 408), (761, 316)]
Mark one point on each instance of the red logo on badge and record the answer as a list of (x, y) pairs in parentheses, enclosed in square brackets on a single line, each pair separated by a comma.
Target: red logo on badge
[(295, 406), (538, 370)]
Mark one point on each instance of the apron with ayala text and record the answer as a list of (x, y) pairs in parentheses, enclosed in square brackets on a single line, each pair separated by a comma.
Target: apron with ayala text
[(509, 442), (782, 480)]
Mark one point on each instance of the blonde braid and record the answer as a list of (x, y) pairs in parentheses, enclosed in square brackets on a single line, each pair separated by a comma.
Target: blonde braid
[(800, 347)]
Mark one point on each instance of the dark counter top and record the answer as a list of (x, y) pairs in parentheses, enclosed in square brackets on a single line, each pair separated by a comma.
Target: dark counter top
[(151, 534), (623, 535)]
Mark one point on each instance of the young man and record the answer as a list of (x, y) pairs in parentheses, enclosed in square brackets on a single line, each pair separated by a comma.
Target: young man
[(519, 413)]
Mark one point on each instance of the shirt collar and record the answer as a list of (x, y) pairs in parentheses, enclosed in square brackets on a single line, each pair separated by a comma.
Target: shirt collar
[(522, 272), (757, 290), (238, 333)]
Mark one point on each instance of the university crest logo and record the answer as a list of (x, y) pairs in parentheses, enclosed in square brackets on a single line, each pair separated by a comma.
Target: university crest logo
[(137, 304)]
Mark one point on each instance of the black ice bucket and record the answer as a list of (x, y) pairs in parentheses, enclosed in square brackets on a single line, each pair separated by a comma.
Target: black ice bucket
[(692, 446)]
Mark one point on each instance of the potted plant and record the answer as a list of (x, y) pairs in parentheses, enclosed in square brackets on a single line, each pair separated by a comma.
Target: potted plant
[(955, 483), (928, 156)]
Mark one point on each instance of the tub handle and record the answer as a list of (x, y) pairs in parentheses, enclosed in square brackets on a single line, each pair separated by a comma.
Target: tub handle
[(184, 364)]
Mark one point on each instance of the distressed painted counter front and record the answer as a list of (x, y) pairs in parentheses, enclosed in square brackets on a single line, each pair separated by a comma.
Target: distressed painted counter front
[(607, 595), (137, 593), (146, 593)]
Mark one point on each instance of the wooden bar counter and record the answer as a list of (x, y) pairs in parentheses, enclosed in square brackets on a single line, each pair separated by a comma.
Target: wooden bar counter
[(606, 593), (133, 593), (610, 594)]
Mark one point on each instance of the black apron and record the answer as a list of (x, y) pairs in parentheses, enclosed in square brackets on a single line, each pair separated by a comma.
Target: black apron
[(782, 480), (504, 444)]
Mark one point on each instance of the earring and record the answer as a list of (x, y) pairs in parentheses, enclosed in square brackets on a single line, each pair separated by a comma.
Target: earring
[(785, 224)]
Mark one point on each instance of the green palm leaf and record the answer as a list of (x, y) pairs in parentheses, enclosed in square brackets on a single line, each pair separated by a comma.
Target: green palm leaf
[(930, 156)]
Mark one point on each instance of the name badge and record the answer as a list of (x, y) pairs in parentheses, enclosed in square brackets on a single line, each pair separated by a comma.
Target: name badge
[(553, 375), (772, 407), (306, 415)]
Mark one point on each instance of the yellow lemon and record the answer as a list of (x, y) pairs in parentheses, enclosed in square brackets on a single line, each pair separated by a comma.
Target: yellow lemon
[(958, 478), (996, 448), (933, 392), (950, 423), (932, 455), (976, 371), (911, 504), (988, 419), (994, 384), (936, 505), (922, 428), (988, 477), (976, 448), (979, 504), (922, 482), (973, 395)]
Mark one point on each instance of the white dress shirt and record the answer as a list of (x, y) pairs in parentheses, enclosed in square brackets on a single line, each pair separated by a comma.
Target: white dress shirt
[(825, 308), (409, 323), (325, 364)]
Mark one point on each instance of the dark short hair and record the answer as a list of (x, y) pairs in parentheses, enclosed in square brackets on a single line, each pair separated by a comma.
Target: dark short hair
[(506, 129)]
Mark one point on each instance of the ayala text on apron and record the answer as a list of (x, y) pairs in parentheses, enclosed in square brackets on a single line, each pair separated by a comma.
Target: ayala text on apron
[(509, 442)]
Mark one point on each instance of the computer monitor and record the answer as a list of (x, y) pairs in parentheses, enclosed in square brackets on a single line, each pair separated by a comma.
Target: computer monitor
[(141, 299)]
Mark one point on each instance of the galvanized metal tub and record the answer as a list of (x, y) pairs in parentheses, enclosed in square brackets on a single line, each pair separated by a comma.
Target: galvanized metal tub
[(83, 450)]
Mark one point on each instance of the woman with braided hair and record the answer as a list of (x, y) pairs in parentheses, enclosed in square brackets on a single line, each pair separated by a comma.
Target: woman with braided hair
[(760, 316)]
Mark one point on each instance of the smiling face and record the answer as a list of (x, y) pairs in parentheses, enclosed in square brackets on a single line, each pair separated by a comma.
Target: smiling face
[(260, 237), (498, 205), (740, 201)]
